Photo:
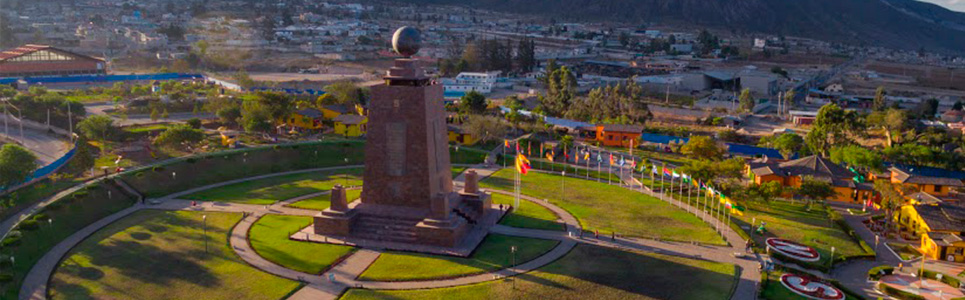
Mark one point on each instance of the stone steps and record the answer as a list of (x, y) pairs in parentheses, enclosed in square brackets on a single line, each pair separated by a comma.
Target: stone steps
[(378, 228)]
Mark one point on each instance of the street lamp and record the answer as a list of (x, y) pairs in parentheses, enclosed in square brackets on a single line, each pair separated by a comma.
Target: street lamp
[(513, 250), (831, 262), (204, 221), (563, 186)]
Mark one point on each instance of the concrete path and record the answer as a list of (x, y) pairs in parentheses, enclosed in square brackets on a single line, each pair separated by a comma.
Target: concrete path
[(346, 272)]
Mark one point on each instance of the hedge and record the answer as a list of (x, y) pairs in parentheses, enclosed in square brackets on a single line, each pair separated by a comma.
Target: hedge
[(949, 280), (903, 295), (877, 272)]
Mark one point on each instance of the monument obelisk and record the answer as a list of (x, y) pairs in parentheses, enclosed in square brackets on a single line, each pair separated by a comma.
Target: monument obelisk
[(407, 191)]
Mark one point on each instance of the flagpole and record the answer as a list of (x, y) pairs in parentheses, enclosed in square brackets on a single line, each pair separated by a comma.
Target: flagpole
[(506, 145), (662, 175), (609, 169), (588, 153), (690, 191)]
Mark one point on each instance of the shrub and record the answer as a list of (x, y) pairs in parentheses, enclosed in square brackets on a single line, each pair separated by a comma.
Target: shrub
[(10, 241), (6, 277), (80, 194), (29, 225), (903, 295), (41, 217), (877, 272)]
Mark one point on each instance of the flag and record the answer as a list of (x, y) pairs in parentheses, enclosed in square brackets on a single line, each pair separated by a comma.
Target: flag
[(540, 149), (666, 172), (506, 142), (576, 158), (517, 148), (599, 158), (633, 164), (528, 148), (675, 174), (587, 156), (566, 154), (549, 156), (611, 159), (622, 161), (696, 185), (522, 164), (655, 170)]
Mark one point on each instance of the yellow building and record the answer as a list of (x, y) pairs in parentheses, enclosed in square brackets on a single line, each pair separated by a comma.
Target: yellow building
[(308, 118), (940, 227), (330, 112), (791, 173), (459, 136), (350, 125)]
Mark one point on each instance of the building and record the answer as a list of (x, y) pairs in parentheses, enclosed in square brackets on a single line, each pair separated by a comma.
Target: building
[(800, 117), (308, 118), (350, 125), (460, 136), (330, 112), (940, 228), (41, 60), (932, 181), (792, 173), (481, 82), (760, 83), (618, 135)]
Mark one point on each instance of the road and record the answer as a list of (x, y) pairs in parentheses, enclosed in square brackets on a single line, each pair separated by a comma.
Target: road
[(101, 109), (48, 147)]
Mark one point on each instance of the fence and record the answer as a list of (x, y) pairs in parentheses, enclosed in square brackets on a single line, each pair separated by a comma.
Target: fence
[(44, 171)]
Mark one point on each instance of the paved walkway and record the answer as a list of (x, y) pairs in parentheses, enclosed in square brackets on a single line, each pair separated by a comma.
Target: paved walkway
[(345, 273)]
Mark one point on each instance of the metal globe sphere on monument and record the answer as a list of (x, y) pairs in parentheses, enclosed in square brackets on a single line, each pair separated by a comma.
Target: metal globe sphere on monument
[(407, 41)]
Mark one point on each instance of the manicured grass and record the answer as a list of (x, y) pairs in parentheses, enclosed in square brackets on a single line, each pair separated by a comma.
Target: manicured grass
[(610, 208), (69, 215), (493, 254), (906, 251), (792, 221), (528, 214), (278, 188), (592, 272), (321, 202), (269, 237), (456, 171), (161, 255)]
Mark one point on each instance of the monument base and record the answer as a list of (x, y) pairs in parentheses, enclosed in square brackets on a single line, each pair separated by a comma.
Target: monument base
[(407, 229)]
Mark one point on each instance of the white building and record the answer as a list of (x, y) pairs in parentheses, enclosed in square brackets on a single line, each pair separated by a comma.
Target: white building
[(471, 81)]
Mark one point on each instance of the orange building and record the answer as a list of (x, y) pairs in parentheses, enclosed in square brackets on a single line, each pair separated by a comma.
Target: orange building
[(618, 135), (791, 173)]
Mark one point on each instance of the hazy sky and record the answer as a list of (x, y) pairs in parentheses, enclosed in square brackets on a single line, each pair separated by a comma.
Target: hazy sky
[(956, 5)]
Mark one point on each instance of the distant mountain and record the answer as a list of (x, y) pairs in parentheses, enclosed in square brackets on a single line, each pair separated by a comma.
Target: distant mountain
[(903, 24)]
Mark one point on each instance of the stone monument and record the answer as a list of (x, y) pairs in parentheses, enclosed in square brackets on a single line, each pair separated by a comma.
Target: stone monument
[(407, 192)]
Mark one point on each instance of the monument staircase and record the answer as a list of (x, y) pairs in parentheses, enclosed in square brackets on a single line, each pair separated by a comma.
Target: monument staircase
[(466, 212), (384, 228)]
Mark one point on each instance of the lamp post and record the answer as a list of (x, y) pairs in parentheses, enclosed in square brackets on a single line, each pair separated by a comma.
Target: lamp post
[(513, 250), (563, 186), (831, 261), (204, 222)]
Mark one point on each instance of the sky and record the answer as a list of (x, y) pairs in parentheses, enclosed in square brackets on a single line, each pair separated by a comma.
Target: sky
[(956, 5)]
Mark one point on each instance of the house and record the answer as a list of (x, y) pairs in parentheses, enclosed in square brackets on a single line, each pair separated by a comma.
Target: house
[(330, 112), (791, 173), (953, 116), (936, 182), (481, 82), (460, 136), (349, 125), (308, 118), (618, 135), (939, 226)]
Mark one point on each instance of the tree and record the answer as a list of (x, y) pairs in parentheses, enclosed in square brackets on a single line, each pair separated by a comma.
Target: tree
[(812, 189), (702, 147), (833, 126), (566, 142), (83, 158), (879, 101), (472, 102), (746, 101), (255, 116), (891, 199), (788, 144), (561, 90), (857, 156), (345, 92), (178, 135), (194, 123), (244, 80), (229, 115), (165, 114), (155, 115), (485, 128), (97, 127), (16, 164), (893, 121)]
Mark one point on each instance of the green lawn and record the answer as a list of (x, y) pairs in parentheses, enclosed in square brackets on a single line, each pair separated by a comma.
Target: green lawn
[(793, 222), (161, 255), (269, 237), (278, 188), (609, 208), (528, 214), (321, 202), (593, 272), (493, 254), (456, 171)]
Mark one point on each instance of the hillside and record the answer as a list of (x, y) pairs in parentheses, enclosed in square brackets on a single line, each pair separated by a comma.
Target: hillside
[(905, 24)]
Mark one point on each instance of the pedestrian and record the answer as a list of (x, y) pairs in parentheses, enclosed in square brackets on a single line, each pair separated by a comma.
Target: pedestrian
[(613, 236), (901, 267), (500, 207), (747, 246), (596, 234)]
